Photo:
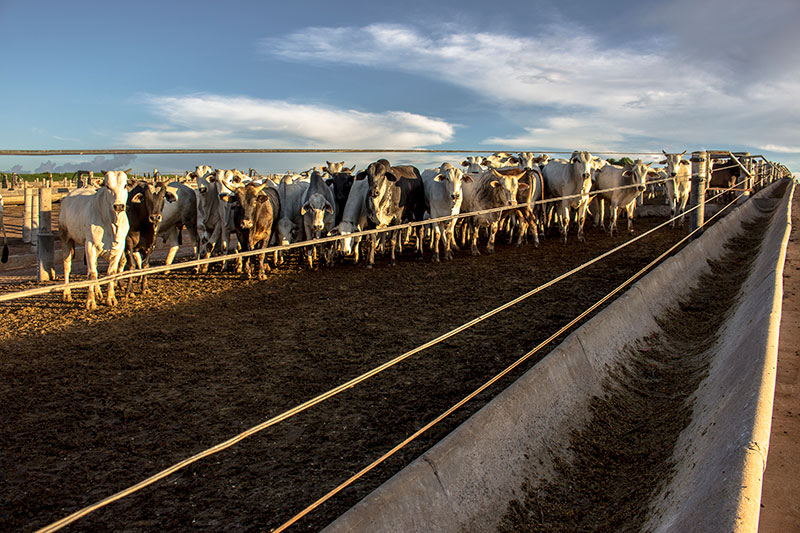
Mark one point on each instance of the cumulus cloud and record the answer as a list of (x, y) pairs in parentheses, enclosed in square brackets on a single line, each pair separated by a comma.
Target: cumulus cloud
[(209, 120), (99, 163)]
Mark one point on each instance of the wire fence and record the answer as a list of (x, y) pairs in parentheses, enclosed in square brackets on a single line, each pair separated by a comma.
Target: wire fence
[(377, 370)]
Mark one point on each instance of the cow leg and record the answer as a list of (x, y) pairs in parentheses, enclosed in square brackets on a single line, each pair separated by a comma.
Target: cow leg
[(473, 228), (395, 238), (630, 210), (91, 265), (437, 235), (581, 219), (493, 229), (373, 243), (613, 225), (69, 253), (563, 219)]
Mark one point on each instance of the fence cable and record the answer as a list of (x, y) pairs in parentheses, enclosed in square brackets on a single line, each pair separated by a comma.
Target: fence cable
[(337, 390)]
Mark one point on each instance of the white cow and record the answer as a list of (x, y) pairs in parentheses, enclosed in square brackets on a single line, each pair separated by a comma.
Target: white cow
[(96, 218), (613, 176), (443, 198), (680, 184), (570, 178)]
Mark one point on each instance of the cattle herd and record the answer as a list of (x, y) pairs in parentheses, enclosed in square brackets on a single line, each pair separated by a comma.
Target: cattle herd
[(122, 219)]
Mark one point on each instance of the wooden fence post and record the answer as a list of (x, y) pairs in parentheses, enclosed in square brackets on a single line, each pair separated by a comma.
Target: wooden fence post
[(26, 215), (697, 195), (46, 239), (34, 219)]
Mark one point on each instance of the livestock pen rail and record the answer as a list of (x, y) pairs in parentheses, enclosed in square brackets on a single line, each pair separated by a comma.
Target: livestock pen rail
[(364, 377)]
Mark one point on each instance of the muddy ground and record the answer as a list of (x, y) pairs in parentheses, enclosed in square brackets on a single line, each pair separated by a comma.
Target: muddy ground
[(92, 403)]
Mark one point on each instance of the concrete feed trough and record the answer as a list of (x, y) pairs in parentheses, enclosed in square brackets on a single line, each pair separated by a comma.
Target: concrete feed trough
[(466, 481)]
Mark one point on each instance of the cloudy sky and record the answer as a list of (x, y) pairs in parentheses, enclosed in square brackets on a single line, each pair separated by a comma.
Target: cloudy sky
[(539, 75)]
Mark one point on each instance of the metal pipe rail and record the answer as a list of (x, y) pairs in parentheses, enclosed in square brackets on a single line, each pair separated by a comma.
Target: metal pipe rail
[(55, 526), (158, 151), (323, 240)]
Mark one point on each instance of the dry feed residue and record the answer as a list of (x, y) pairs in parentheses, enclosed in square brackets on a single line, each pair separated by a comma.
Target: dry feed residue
[(622, 457)]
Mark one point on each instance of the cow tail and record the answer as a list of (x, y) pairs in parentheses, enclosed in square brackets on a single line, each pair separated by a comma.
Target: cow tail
[(180, 234)]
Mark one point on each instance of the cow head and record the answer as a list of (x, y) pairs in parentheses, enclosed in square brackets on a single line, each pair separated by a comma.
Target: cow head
[(500, 159), (453, 179), (473, 164), (152, 199), (379, 178), (116, 182), (288, 231), (244, 202), (674, 162), (505, 186), (637, 174), (582, 164)]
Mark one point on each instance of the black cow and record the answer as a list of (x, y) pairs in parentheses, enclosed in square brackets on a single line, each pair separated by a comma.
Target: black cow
[(256, 210), (342, 182), (143, 208), (395, 196)]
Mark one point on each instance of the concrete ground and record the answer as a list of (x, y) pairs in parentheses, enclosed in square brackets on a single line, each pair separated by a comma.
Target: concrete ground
[(780, 503)]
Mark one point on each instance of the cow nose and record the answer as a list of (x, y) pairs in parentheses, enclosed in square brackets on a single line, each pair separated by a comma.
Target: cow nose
[(155, 219), (247, 223), (585, 175), (119, 208), (455, 196), (674, 174), (641, 188)]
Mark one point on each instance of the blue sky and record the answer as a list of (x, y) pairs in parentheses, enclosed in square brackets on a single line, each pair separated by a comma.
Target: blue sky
[(628, 76)]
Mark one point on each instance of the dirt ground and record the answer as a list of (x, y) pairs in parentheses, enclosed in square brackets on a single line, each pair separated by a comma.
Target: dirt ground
[(780, 496), (95, 402)]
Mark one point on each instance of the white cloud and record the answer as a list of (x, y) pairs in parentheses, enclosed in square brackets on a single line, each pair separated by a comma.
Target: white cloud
[(208, 120), (565, 89)]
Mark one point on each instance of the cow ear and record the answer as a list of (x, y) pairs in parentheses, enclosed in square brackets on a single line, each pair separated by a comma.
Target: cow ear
[(170, 197), (329, 208), (361, 175), (390, 176), (513, 160), (627, 173), (334, 232), (464, 163), (685, 162), (494, 183), (467, 178), (664, 162), (137, 198), (262, 198), (349, 170), (522, 186), (306, 207), (439, 177)]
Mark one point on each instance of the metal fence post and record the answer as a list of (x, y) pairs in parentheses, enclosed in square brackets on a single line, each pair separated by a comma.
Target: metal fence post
[(697, 196), (26, 215), (46, 239)]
